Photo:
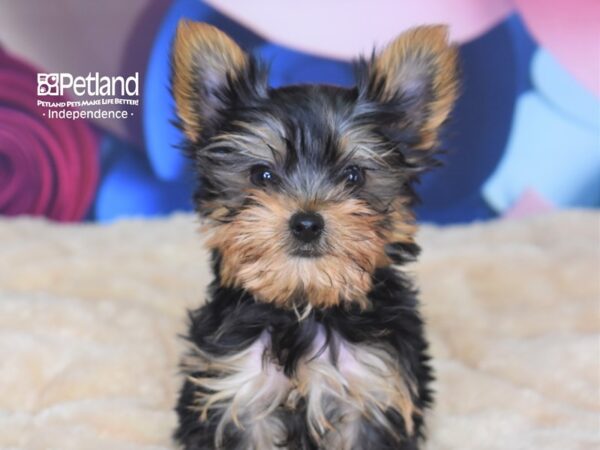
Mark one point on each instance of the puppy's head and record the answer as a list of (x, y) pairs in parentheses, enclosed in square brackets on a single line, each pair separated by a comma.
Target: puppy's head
[(306, 189)]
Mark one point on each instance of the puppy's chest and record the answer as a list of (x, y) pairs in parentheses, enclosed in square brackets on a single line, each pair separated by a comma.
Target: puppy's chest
[(334, 383)]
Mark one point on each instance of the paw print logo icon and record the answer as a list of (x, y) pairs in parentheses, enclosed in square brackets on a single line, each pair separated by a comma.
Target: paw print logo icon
[(47, 84)]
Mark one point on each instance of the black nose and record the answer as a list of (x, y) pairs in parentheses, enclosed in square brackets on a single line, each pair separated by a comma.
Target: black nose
[(307, 226)]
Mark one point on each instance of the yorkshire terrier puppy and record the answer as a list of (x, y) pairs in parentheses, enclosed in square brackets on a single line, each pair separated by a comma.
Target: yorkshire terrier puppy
[(311, 336)]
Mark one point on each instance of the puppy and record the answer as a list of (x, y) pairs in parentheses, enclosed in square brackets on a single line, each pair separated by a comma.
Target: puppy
[(310, 337)]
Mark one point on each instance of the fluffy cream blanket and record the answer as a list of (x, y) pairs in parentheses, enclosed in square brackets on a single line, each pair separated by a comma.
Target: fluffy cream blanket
[(89, 317)]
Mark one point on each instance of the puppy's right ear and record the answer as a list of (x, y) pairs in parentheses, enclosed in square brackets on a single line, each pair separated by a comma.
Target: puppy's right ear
[(415, 76), (210, 73)]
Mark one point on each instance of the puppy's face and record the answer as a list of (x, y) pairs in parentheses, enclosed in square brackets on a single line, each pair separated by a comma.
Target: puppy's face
[(306, 189)]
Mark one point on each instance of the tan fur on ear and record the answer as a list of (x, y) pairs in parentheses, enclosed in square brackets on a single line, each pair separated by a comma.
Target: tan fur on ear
[(203, 56), (421, 63)]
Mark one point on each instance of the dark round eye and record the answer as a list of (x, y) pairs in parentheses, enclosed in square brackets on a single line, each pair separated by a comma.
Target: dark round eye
[(261, 175), (354, 176)]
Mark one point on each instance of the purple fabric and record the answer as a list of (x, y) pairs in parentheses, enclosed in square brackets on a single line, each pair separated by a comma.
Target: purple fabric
[(47, 166)]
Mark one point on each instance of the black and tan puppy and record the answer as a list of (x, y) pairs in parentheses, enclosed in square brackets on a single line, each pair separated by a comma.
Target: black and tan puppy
[(310, 337)]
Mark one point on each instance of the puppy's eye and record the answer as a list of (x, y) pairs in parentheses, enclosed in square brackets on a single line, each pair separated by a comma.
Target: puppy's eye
[(261, 175), (354, 176)]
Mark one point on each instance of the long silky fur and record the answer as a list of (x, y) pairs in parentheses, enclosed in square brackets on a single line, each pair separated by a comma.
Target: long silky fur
[(232, 321), (308, 353)]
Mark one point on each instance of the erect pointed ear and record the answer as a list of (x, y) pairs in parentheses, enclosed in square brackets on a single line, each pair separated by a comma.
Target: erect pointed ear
[(416, 77), (209, 73)]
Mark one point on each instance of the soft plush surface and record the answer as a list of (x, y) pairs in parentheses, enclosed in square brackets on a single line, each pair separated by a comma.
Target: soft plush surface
[(89, 318)]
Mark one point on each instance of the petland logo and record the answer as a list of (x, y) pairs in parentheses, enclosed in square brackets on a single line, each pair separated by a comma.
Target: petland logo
[(91, 97), (92, 85)]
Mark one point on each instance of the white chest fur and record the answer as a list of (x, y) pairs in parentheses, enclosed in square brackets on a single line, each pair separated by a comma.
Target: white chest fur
[(343, 385)]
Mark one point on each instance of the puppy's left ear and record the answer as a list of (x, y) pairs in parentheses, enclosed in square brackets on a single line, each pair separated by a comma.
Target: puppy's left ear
[(415, 79), (210, 74)]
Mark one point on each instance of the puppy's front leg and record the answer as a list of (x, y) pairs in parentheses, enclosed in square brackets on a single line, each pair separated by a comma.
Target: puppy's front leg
[(233, 401), (357, 397)]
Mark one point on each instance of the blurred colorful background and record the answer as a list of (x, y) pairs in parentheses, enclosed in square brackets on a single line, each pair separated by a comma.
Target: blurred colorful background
[(524, 137)]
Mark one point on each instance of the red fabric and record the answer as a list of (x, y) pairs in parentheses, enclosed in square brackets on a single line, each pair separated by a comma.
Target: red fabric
[(48, 166)]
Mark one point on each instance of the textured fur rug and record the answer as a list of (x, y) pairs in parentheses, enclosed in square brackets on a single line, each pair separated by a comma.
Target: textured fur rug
[(89, 317)]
